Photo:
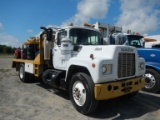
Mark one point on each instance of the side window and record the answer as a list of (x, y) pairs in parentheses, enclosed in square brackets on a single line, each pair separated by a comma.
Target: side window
[(74, 35), (61, 35), (73, 39)]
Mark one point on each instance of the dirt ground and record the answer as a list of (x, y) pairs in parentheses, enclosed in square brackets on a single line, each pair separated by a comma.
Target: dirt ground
[(37, 101)]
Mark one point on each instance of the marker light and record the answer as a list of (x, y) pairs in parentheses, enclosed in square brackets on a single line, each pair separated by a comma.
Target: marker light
[(91, 56), (93, 65)]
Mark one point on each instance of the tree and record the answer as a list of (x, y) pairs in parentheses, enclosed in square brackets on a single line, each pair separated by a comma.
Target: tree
[(6, 49)]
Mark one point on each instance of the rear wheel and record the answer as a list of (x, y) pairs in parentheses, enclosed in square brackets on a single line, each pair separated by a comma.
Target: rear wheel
[(22, 74), (152, 79), (81, 92)]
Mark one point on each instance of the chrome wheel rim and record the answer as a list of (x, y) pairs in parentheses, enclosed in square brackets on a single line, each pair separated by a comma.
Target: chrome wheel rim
[(151, 81), (79, 93)]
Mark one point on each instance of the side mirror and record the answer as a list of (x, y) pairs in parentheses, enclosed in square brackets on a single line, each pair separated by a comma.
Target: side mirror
[(44, 28), (49, 34)]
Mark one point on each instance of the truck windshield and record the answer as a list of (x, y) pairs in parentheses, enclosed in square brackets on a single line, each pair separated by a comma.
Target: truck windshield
[(80, 36), (134, 40)]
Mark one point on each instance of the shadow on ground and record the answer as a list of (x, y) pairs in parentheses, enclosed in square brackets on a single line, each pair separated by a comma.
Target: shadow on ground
[(119, 108), (58, 92)]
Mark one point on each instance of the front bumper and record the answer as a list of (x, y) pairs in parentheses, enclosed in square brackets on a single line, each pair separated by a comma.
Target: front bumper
[(115, 89)]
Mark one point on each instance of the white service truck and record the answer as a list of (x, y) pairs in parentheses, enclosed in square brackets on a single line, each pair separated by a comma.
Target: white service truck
[(74, 58)]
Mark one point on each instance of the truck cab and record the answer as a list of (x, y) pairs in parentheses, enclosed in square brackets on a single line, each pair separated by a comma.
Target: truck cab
[(69, 42)]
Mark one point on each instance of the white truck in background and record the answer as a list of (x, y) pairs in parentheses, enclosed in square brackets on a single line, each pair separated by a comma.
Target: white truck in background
[(106, 30), (74, 59)]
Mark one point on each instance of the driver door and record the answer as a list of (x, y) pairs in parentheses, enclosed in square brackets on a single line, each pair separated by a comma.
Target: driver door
[(58, 62)]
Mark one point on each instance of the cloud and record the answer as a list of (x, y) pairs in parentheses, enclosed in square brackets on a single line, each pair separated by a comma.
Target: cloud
[(30, 31), (1, 26), (9, 40), (87, 9), (139, 15)]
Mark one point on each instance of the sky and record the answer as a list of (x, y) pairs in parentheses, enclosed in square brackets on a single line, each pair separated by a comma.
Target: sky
[(21, 19)]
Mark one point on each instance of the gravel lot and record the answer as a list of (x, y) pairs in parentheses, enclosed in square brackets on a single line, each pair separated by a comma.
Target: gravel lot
[(37, 101)]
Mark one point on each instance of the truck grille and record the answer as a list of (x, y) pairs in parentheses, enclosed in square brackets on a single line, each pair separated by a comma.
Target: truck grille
[(126, 65)]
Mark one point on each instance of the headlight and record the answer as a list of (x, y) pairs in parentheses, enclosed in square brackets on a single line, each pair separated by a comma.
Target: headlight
[(106, 69), (142, 65)]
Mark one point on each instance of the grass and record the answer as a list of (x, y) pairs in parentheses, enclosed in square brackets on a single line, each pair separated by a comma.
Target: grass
[(6, 56)]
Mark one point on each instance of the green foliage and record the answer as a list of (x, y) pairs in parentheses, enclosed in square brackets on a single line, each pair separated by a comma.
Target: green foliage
[(6, 49)]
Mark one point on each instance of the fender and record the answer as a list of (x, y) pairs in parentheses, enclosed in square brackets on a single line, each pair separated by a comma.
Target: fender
[(87, 63), (153, 65)]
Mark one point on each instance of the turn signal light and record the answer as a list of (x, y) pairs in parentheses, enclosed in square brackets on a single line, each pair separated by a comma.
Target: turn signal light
[(93, 65), (91, 56)]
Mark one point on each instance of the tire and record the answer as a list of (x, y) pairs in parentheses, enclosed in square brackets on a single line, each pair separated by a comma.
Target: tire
[(22, 74), (81, 90), (152, 79)]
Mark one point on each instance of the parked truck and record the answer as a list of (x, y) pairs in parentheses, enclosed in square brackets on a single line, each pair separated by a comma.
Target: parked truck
[(105, 29), (74, 59)]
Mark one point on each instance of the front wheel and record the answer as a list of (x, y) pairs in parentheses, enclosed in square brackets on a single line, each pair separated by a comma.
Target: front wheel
[(81, 92), (152, 79)]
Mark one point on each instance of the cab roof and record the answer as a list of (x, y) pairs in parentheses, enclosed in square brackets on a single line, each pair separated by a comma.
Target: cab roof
[(79, 27)]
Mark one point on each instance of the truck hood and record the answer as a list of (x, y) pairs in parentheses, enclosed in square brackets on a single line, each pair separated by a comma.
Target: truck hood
[(105, 51), (149, 54), (149, 49)]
